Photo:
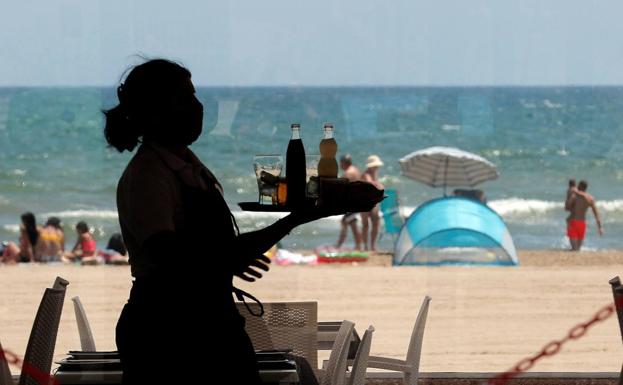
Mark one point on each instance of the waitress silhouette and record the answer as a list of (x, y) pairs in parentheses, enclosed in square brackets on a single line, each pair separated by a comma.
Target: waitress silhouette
[(180, 324)]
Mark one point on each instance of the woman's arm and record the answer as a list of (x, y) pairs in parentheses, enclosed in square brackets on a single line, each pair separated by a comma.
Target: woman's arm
[(259, 241)]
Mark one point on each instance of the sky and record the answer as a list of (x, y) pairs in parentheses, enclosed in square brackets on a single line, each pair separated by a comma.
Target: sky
[(316, 43)]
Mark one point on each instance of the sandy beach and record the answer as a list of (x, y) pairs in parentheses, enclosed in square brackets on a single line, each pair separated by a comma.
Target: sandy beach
[(480, 319)]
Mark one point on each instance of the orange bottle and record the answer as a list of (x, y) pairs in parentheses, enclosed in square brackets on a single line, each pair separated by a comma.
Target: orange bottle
[(327, 166)]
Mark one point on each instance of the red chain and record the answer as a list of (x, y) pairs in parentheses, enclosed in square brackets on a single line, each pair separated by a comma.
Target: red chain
[(27, 368), (554, 346)]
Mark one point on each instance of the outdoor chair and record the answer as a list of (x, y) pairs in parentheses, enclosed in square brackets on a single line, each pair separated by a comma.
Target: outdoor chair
[(360, 365), (87, 342), (617, 293), (284, 325), (40, 348), (392, 217), (411, 365), (334, 373)]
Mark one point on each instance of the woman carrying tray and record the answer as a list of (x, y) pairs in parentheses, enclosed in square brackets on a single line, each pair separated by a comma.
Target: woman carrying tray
[(180, 324)]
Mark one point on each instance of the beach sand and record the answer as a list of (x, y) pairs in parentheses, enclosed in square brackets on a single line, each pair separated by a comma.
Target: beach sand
[(480, 319)]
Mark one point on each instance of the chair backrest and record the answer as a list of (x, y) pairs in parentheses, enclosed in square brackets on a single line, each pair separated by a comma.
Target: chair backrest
[(417, 335), (284, 325), (40, 348), (390, 207), (617, 293), (360, 365), (60, 283), (335, 373), (87, 342), (5, 372)]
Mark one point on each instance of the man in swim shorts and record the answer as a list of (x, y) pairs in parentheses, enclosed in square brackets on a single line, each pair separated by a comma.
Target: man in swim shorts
[(578, 202), (349, 219)]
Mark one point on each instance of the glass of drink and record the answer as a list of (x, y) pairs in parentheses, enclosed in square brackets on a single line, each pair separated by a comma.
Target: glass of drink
[(311, 162), (267, 172)]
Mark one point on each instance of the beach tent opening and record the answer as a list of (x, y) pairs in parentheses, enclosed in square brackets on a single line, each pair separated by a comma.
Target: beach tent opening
[(454, 230)]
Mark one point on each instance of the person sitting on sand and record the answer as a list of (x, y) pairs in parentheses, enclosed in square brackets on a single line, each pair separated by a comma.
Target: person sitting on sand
[(475, 194), (29, 247), (579, 201), (115, 252), (85, 249), (52, 241)]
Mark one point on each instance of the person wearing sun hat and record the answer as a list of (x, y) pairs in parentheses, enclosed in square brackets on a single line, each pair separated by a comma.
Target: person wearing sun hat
[(370, 220)]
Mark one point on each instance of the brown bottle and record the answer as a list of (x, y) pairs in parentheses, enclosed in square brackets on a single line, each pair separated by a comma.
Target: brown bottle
[(295, 169), (327, 166)]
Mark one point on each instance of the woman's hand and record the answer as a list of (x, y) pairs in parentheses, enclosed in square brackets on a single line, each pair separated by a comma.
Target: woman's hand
[(248, 268)]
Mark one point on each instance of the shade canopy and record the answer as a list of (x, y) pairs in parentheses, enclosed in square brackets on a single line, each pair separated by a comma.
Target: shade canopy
[(454, 230), (447, 166)]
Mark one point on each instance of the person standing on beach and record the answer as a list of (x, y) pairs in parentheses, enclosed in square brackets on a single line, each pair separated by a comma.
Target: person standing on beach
[(353, 174), (578, 201), (183, 241), (370, 220)]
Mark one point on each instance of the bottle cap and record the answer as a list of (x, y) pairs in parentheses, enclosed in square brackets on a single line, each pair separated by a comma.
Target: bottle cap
[(295, 125), (328, 126)]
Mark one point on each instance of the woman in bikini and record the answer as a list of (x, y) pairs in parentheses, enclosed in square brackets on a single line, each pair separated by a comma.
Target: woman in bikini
[(52, 241), (29, 247)]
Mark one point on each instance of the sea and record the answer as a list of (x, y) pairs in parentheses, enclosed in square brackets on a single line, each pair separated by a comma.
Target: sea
[(54, 160)]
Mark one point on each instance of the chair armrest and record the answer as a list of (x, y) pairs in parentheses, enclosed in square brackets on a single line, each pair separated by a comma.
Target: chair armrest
[(388, 364)]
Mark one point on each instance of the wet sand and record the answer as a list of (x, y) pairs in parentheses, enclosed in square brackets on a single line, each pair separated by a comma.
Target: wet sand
[(480, 319)]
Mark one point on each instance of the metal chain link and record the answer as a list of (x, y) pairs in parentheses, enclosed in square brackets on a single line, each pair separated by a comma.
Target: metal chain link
[(552, 348), (27, 369), (11, 358)]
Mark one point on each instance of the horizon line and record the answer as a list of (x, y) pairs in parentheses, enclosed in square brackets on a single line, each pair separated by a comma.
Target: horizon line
[(578, 85)]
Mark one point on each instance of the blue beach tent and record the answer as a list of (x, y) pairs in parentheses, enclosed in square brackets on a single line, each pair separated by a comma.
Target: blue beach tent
[(454, 230)]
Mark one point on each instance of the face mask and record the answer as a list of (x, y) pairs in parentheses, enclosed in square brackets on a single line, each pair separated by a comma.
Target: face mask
[(181, 126), (190, 122)]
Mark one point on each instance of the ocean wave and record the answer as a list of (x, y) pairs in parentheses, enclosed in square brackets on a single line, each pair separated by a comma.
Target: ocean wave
[(549, 104), (11, 228), (514, 206), (521, 206), (99, 214), (610, 206)]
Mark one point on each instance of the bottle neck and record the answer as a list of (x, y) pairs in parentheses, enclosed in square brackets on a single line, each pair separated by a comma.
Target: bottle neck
[(328, 134), (296, 134)]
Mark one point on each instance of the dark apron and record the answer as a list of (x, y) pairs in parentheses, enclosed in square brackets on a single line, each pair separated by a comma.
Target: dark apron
[(180, 324)]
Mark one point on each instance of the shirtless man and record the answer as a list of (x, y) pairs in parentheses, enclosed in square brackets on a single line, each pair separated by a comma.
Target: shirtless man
[(352, 173), (577, 203)]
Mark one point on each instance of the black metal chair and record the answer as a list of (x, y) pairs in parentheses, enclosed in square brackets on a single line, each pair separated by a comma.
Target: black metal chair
[(617, 293)]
